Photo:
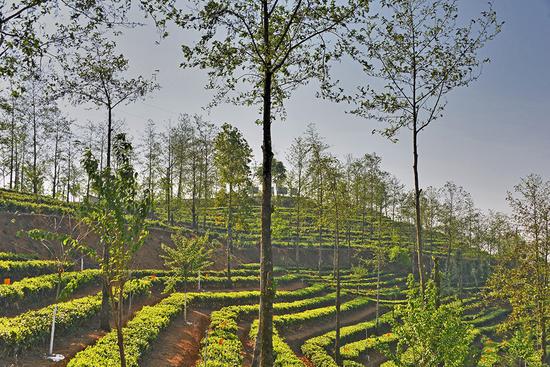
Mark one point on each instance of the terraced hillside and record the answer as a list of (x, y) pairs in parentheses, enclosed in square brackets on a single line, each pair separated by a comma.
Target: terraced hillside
[(212, 326)]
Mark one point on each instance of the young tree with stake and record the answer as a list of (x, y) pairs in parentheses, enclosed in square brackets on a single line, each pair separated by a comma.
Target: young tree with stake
[(188, 256), (96, 76), (118, 219)]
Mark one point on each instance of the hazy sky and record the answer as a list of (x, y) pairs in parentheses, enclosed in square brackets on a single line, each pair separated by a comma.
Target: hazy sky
[(493, 132)]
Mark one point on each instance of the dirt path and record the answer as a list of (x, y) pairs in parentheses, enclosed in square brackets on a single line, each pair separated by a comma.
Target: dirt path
[(372, 358), (296, 336), (179, 344), (248, 344), (71, 343)]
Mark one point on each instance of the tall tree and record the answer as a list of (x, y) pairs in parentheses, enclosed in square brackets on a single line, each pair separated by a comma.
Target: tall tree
[(275, 47), (232, 157), (96, 75), (119, 220), (151, 158), (317, 169), (279, 175), (58, 128), (334, 177), (206, 132), (421, 52), (24, 36), (453, 201), (522, 276), (297, 157)]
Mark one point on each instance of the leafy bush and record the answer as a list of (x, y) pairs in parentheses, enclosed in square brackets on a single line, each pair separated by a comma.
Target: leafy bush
[(430, 334)]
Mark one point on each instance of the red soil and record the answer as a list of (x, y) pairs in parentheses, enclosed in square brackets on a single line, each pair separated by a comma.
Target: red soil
[(179, 344)]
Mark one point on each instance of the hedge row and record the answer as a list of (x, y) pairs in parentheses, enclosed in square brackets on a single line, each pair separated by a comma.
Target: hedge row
[(316, 349), (31, 268), (481, 321), (319, 313), (17, 257), (146, 325), (284, 356), (24, 331), (218, 282), (29, 289), (355, 349), (222, 347), (13, 205)]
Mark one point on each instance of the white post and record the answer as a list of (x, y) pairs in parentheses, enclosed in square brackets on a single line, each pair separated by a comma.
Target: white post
[(185, 307), (130, 303), (53, 329), (82, 263), (206, 350)]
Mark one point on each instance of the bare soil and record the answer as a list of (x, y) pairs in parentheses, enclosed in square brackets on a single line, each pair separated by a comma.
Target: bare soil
[(179, 344), (296, 336)]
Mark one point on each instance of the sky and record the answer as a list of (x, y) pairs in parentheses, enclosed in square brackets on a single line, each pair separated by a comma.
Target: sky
[(492, 134)]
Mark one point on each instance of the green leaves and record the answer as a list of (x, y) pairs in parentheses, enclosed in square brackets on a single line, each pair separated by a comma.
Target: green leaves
[(29, 289), (188, 256), (431, 335), (118, 218)]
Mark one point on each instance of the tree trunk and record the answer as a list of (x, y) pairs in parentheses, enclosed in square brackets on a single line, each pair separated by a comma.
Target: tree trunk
[(263, 352), (69, 163), (229, 234), (337, 266), (205, 190), (298, 202), (109, 134), (194, 194), (417, 193), (12, 145), (55, 164), (120, 336), (543, 336), (320, 260), (34, 148), (378, 263), (104, 318)]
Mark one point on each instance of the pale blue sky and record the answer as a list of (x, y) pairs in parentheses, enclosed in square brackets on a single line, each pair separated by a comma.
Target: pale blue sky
[(493, 132)]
